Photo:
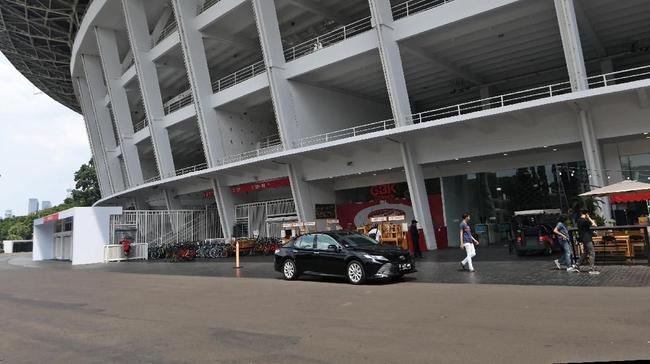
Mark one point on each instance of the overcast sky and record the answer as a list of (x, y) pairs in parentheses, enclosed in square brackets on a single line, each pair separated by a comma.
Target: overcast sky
[(42, 143)]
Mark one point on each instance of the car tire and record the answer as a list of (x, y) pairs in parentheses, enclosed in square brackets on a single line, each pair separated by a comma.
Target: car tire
[(289, 270), (355, 272), (548, 251)]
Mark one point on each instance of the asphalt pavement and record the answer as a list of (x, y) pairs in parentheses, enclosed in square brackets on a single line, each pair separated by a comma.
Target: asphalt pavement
[(53, 313)]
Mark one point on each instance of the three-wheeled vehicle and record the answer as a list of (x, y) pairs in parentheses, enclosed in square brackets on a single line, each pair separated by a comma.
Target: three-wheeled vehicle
[(534, 232)]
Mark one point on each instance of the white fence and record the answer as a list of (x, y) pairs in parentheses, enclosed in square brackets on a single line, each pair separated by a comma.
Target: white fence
[(114, 253), (178, 102), (173, 226), (415, 6), (273, 208)]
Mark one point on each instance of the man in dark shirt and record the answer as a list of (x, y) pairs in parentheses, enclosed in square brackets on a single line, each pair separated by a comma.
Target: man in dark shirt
[(415, 239), (585, 236)]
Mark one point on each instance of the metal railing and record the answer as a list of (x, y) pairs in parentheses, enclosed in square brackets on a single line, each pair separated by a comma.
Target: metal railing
[(239, 76), (273, 208), (624, 76), (328, 39), (152, 179), (183, 99), (269, 141), (114, 253), (207, 4), (346, 133), (196, 168), (141, 125), (250, 154), (167, 30), (415, 6)]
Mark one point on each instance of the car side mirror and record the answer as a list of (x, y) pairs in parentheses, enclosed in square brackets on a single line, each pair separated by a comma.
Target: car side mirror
[(333, 248)]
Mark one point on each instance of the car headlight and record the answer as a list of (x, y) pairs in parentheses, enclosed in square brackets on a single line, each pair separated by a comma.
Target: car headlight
[(375, 258)]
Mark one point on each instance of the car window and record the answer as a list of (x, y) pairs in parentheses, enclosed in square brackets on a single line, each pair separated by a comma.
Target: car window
[(305, 242), (356, 240), (324, 241)]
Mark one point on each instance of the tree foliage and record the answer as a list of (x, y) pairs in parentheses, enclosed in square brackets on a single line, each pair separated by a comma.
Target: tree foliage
[(86, 193)]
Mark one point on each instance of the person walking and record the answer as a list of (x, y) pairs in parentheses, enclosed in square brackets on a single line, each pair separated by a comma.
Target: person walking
[(375, 233), (562, 233), (467, 242), (585, 236), (415, 239)]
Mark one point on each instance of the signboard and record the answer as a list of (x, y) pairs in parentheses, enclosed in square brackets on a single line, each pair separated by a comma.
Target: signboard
[(332, 221), (378, 219), (383, 192), (257, 186), (396, 218), (326, 211), (287, 225), (310, 223), (51, 218), (208, 195)]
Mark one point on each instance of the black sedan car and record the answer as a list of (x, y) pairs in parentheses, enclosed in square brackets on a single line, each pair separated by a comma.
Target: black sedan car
[(342, 254)]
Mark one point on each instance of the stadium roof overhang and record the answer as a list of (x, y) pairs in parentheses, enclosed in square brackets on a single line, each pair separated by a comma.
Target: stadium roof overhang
[(37, 36)]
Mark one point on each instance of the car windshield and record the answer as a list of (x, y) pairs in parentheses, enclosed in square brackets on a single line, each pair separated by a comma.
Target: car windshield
[(356, 240)]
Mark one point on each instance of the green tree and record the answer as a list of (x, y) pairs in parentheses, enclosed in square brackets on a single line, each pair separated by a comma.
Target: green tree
[(86, 191), (20, 230)]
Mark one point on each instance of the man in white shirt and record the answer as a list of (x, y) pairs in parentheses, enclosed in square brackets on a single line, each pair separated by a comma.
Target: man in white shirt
[(375, 233)]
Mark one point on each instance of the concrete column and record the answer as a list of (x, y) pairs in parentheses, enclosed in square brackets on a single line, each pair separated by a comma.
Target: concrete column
[(171, 200), (99, 157), (578, 76), (306, 195), (271, 40), (418, 192), (199, 76), (97, 92), (225, 206), (382, 18), (109, 54), (141, 44), (575, 61)]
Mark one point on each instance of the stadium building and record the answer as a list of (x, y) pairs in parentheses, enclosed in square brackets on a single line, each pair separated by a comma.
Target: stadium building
[(262, 112)]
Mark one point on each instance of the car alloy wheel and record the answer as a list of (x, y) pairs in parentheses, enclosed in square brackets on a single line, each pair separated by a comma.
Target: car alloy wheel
[(289, 269), (356, 274)]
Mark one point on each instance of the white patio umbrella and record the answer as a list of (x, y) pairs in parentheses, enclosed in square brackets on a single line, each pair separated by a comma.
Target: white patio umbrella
[(625, 187)]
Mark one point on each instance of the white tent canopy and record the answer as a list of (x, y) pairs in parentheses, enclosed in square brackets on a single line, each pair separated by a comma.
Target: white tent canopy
[(619, 188)]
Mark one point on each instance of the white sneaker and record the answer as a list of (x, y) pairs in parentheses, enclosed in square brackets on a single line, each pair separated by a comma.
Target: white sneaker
[(571, 269), (557, 264)]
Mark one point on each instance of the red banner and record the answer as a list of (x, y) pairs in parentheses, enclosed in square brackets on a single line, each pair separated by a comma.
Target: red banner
[(629, 197), (257, 186), (51, 218)]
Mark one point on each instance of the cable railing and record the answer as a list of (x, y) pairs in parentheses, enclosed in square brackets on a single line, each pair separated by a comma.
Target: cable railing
[(191, 169), (346, 133), (141, 125), (415, 6), (328, 39), (239, 76), (207, 4), (167, 30), (183, 99)]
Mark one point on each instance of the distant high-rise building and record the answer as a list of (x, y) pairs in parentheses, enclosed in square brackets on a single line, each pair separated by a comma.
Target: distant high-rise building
[(46, 205), (32, 206), (8, 214)]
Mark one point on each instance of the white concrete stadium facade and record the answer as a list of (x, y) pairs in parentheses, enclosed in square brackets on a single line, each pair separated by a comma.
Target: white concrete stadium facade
[(184, 96)]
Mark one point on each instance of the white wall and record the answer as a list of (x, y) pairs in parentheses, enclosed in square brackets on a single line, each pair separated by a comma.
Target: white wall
[(90, 232), (319, 110)]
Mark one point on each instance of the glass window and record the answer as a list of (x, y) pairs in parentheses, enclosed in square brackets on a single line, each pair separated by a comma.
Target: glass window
[(305, 242), (357, 240), (324, 241)]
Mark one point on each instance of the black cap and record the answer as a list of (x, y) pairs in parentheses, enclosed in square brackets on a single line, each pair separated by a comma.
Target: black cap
[(413, 222)]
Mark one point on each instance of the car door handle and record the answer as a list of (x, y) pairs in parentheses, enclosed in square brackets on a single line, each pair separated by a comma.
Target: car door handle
[(317, 253), (294, 251)]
